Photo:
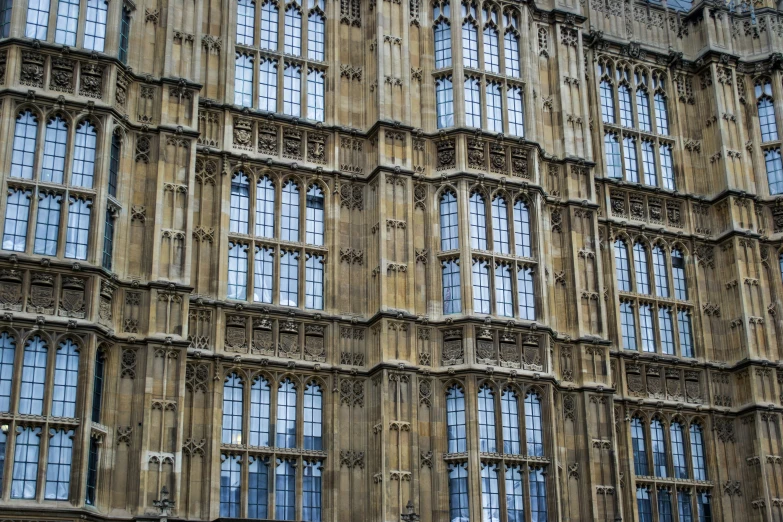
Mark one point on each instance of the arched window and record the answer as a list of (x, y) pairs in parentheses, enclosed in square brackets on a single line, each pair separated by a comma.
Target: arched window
[(478, 222), (286, 415), (522, 229), (459, 508), (243, 80), (491, 53), (260, 394), (313, 421), (628, 326), (486, 411), (516, 111), (684, 327), (97, 385), (490, 495), (500, 225), (290, 212), (614, 166), (314, 282), (638, 441), (511, 48), (246, 16), (444, 102), (774, 167), (237, 271), (25, 472), (77, 233), (646, 328), (622, 268), (265, 208), (292, 89), (33, 386), (626, 110), (449, 221), (315, 216), (697, 453), (666, 330), (267, 84), (678, 274), (311, 490), (25, 141), (269, 25), (293, 31), (58, 466), (643, 108), (316, 36), (285, 490), (315, 94), (504, 302), (704, 505), (470, 45), (509, 405), (66, 378), (230, 485), (667, 166), (664, 506), (533, 425), (233, 405), (455, 420), (258, 488), (442, 36), (452, 295), (648, 163), (661, 114), (660, 273), (289, 278), (607, 102), (658, 448), (526, 294), (480, 287), (643, 504), (640, 267), (55, 146), (17, 214), (684, 506), (7, 352), (678, 451), (84, 155)]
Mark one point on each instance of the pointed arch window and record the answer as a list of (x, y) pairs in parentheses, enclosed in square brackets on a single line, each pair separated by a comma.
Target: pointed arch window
[(766, 107), (293, 31), (516, 111), (640, 266), (478, 222), (678, 451), (442, 38), (626, 110), (646, 328), (286, 415), (292, 89), (533, 425), (289, 279), (313, 417), (269, 25), (491, 53), (470, 45), (490, 495), (666, 330), (526, 294), (607, 102), (285, 490), (643, 504), (684, 509), (315, 216), (7, 354), (486, 411), (660, 273), (233, 405), (472, 102), (614, 166), (290, 212), (500, 225), (311, 490), (631, 159), (504, 302), (664, 506), (455, 420), (509, 404), (58, 466), (444, 102), (243, 80), (237, 271), (511, 48), (84, 155), (449, 221), (684, 327), (314, 282), (481, 287), (704, 505), (697, 452), (240, 203), (459, 508), (265, 207), (260, 404), (658, 440), (648, 163), (515, 494), (678, 273), (77, 232), (628, 326), (522, 229), (316, 36), (643, 108), (25, 472), (638, 441), (25, 142), (667, 166), (538, 507), (622, 267), (494, 107), (31, 394), (258, 488), (661, 114), (66, 378)]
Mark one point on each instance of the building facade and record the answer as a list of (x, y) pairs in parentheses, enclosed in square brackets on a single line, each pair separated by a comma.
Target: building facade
[(344, 260)]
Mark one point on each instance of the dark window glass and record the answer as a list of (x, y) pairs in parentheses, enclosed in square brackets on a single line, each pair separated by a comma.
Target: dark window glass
[(97, 386)]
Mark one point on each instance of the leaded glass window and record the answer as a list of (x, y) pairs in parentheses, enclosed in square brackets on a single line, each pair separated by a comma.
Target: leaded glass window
[(661, 114), (526, 294), (614, 167), (486, 419), (262, 277), (515, 494), (664, 506), (684, 509), (260, 404), (31, 393), (55, 145), (684, 328), (289, 278), (442, 31), (607, 102), (626, 110), (449, 221), (67, 22), (472, 102), (265, 207), (311, 491), (631, 159), (314, 229), (95, 25), (444, 101), (455, 420), (522, 229), (459, 509), (494, 108), (37, 19), (243, 80), (643, 504), (290, 212), (490, 494), (638, 441), (97, 386), (17, 212), (491, 53), (452, 295), (58, 466), (533, 425), (285, 490), (84, 155), (640, 267), (316, 36), (678, 451), (66, 378), (246, 15), (646, 328), (697, 453), (538, 507), (511, 51), (7, 353), (500, 225), (678, 274), (660, 273), (643, 108), (703, 503), (25, 472), (657, 437), (667, 166), (25, 140), (286, 415), (628, 326), (237, 271), (516, 111), (504, 302), (470, 46), (258, 488), (314, 282), (292, 41), (622, 266), (269, 25), (648, 163), (230, 485), (233, 405), (478, 222), (240, 204), (666, 330), (774, 170), (292, 89), (313, 417), (315, 95), (509, 405), (267, 84), (480, 287)]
